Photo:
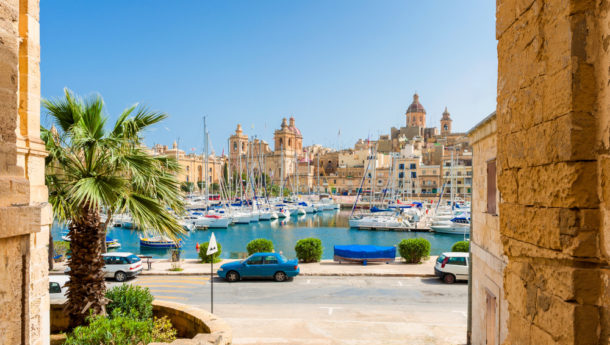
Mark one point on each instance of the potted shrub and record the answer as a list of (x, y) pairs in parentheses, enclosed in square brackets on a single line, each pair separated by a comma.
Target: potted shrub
[(259, 245), (203, 248), (309, 249), (461, 246), (413, 250)]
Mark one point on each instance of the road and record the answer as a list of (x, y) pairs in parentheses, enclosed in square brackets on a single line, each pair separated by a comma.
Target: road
[(327, 310)]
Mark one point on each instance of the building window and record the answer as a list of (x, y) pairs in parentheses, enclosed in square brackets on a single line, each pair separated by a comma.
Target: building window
[(401, 175), (491, 186), (401, 166), (234, 146), (413, 174), (412, 166)]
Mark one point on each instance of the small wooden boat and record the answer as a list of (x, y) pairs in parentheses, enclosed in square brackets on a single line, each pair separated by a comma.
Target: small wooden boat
[(159, 242)]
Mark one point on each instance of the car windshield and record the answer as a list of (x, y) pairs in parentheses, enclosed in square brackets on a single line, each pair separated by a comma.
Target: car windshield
[(133, 259), (283, 258), (440, 258)]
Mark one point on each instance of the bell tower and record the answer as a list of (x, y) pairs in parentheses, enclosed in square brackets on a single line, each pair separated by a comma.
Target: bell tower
[(446, 123)]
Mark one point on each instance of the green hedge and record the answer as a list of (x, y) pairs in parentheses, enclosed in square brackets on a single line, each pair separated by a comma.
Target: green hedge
[(259, 245), (203, 248), (413, 250), (122, 330), (461, 246), (130, 301), (309, 249)]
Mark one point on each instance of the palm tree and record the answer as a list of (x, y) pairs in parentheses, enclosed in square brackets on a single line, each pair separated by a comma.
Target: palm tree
[(91, 168)]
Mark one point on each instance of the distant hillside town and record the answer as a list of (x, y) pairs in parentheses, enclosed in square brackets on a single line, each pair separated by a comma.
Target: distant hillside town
[(418, 160)]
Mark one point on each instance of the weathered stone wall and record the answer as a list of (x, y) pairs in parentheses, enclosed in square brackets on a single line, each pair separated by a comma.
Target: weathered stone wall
[(488, 260), (24, 214), (553, 133)]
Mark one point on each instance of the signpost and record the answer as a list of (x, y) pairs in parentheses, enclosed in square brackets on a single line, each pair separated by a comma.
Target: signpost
[(212, 248)]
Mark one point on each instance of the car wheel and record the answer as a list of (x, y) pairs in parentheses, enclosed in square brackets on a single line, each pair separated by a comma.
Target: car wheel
[(279, 276), (120, 276), (232, 276), (449, 278)]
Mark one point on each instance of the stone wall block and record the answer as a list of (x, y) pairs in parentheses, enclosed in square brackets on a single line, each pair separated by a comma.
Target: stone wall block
[(538, 226), (587, 286), (584, 245), (604, 181), (554, 315), (559, 185), (586, 325), (540, 337), (507, 185)]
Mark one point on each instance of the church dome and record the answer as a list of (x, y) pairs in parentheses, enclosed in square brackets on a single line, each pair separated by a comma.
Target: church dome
[(416, 107)]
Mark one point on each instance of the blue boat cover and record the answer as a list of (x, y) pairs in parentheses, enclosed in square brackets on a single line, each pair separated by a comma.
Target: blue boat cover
[(356, 251)]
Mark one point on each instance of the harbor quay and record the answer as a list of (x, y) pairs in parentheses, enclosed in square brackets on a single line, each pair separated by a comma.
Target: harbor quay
[(324, 268)]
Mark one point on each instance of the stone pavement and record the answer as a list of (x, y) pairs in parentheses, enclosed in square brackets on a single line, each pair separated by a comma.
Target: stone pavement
[(323, 268)]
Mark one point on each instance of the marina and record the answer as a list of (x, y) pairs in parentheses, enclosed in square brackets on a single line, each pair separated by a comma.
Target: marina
[(331, 227)]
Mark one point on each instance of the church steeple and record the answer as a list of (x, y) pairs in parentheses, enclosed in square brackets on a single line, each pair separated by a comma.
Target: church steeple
[(446, 123)]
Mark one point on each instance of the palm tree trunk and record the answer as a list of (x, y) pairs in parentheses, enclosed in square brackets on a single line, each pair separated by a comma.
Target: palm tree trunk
[(86, 286)]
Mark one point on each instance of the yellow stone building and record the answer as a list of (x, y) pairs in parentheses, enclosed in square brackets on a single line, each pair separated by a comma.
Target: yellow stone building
[(193, 164)]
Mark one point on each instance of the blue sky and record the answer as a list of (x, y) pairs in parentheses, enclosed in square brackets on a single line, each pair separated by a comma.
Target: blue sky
[(335, 65)]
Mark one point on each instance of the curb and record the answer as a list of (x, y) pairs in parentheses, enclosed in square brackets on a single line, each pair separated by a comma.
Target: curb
[(412, 275)]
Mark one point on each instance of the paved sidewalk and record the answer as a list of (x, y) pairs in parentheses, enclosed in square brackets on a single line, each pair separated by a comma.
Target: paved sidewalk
[(324, 268)]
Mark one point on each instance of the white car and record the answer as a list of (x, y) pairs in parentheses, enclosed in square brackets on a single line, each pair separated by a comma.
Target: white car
[(57, 287), (121, 265), (452, 266)]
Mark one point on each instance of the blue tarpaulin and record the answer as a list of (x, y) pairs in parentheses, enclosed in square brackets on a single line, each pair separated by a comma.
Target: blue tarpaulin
[(365, 252)]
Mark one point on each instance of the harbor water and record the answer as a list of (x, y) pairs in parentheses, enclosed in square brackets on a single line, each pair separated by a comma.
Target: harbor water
[(330, 227)]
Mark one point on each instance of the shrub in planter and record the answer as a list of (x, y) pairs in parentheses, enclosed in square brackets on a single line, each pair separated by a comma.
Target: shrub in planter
[(461, 246), (309, 249), (120, 330), (130, 301), (259, 245), (163, 330), (413, 250), (203, 248)]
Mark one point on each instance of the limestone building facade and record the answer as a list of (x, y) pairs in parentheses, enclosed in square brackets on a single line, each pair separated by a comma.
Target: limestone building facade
[(25, 215), (486, 253)]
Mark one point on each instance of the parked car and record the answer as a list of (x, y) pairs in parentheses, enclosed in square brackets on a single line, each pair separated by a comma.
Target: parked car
[(120, 265), (260, 265), (452, 266), (57, 288)]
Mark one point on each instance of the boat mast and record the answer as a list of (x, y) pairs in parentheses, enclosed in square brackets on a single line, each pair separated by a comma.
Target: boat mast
[(308, 185), (281, 171), (229, 177), (318, 174), (451, 179), (207, 191)]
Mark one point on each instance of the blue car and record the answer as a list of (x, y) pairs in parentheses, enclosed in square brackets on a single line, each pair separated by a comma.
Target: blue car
[(260, 265)]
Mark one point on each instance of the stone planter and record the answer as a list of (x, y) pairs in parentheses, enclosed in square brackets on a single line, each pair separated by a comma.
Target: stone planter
[(194, 326)]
